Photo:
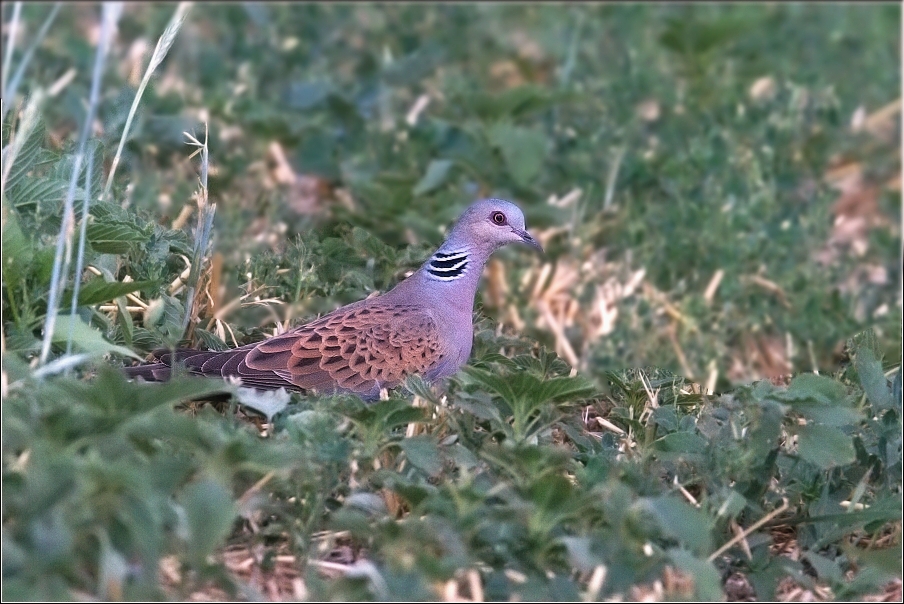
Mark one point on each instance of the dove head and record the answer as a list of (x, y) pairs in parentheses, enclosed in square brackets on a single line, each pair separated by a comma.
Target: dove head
[(489, 224)]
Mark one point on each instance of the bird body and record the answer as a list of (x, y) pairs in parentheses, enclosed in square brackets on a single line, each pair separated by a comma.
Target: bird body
[(422, 326)]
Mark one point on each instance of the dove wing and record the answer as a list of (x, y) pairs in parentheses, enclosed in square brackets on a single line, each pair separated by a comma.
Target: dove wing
[(360, 348)]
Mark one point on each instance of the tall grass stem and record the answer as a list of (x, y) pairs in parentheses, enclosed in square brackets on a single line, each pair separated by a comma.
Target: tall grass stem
[(11, 43), (109, 18), (9, 92), (83, 230), (163, 45), (206, 211)]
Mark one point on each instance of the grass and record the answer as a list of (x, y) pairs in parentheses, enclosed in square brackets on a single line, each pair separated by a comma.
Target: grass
[(694, 394)]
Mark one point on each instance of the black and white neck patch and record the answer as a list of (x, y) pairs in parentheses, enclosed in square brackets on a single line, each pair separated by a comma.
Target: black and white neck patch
[(448, 266)]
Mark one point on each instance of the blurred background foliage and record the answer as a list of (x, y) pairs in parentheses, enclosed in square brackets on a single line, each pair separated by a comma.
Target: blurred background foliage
[(718, 191)]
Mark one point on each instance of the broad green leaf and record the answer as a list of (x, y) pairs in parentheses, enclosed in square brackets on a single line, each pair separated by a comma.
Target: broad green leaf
[(876, 567), (732, 505), (307, 95), (98, 290), (809, 387), (369, 503), (17, 250), (826, 570), (44, 193), (523, 150), (423, 454), (436, 175), (678, 519), (681, 442), (874, 383), (580, 554), (210, 341), (707, 581), (551, 493), (111, 236), (85, 337), (164, 318), (27, 153), (124, 320), (209, 512), (825, 446)]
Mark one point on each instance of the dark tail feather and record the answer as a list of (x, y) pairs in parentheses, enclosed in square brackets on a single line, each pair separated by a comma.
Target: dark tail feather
[(208, 363), (159, 365), (153, 372)]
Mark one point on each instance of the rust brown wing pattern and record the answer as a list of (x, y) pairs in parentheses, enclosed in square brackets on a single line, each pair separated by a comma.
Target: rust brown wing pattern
[(360, 348)]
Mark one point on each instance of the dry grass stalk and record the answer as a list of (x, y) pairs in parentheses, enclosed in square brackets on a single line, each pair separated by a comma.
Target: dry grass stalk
[(751, 529), (160, 51), (713, 286)]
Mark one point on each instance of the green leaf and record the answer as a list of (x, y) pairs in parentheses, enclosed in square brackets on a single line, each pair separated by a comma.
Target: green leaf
[(809, 387), (110, 236), (874, 383), (210, 341), (821, 399), (523, 150), (44, 193), (681, 442), (209, 512), (98, 290), (124, 320), (825, 446), (85, 337), (707, 581), (423, 454), (164, 318), (692, 527), (307, 95), (436, 175), (826, 569), (17, 252), (27, 154)]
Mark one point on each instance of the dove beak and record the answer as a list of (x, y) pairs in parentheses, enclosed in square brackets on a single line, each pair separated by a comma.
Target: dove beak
[(528, 239)]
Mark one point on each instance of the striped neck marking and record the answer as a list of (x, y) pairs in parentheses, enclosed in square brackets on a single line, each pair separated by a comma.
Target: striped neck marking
[(448, 266)]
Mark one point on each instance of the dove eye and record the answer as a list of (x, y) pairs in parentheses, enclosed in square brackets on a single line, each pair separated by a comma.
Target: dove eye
[(498, 218)]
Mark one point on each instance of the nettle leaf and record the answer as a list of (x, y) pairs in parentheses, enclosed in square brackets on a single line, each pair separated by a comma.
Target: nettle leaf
[(424, 454), (809, 387), (164, 318), (436, 176), (45, 194), (111, 236), (98, 290), (825, 446), (307, 95), (514, 102), (826, 569), (210, 341), (552, 493), (527, 391), (707, 580), (523, 149), (872, 379), (388, 414), (209, 513), (17, 250), (876, 567), (678, 519), (681, 442), (27, 156), (85, 337), (821, 399)]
